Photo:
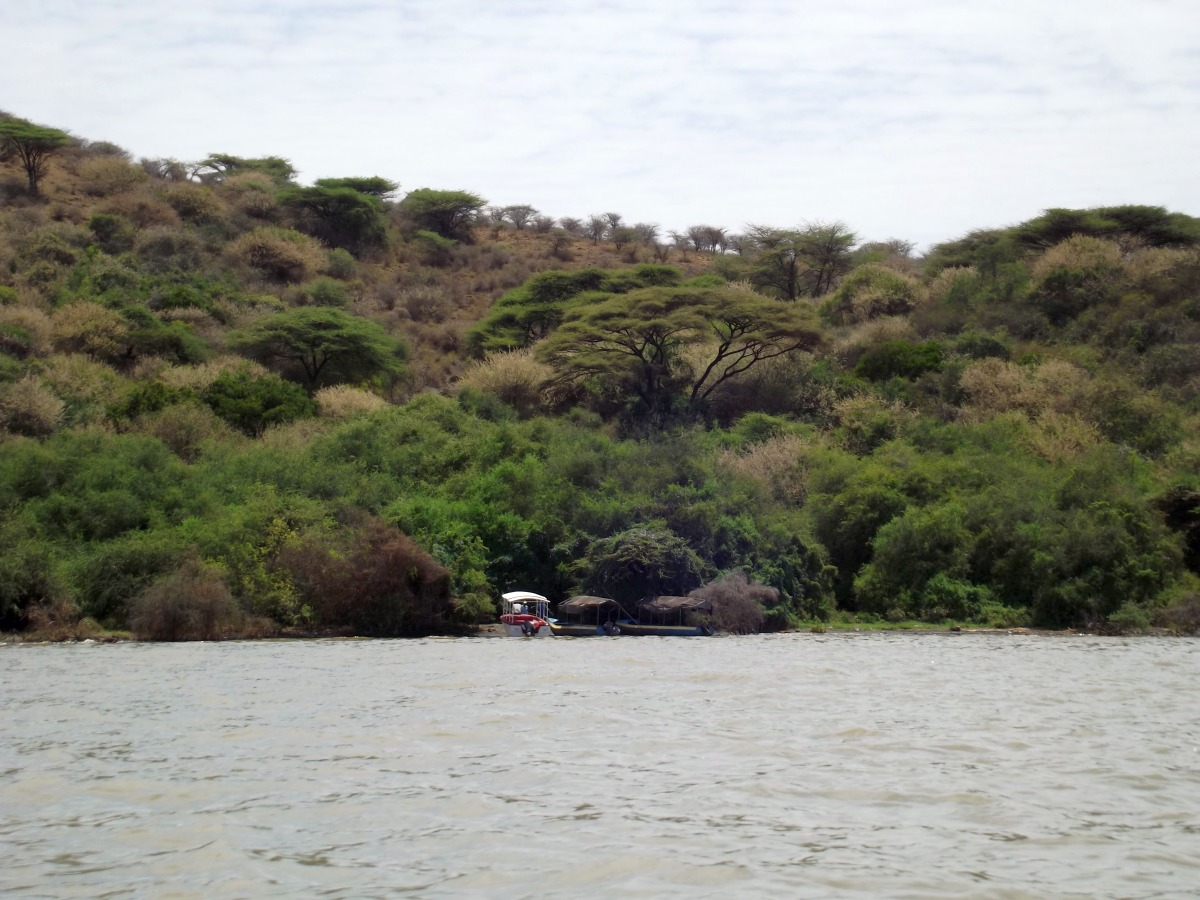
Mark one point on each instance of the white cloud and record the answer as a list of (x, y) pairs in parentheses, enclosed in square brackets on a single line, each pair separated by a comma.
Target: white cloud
[(909, 119)]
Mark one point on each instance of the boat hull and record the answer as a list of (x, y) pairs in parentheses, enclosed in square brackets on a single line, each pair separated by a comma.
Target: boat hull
[(568, 629), (636, 630), (525, 630)]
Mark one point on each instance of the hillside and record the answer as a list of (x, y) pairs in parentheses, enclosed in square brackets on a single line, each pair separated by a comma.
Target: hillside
[(232, 404)]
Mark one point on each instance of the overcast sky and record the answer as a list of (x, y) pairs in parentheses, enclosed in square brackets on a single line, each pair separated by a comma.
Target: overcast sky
[(913, 120)]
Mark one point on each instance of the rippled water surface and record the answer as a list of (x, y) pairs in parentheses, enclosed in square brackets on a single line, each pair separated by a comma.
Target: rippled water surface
[(795, 765)]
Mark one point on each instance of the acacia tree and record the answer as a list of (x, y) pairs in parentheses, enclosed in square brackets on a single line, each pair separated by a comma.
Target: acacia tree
[(321, 345), (374, 185), (33, 145), (800, 262), (216, 167), (341, 216), (520, 214), (449, 213), (635, 341)]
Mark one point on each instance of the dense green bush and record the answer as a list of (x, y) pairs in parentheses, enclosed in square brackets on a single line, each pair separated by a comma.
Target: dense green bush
[(252, 404)]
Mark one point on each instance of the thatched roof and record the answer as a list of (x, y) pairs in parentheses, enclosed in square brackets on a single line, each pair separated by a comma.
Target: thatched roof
[(583, 603), (675, 604)]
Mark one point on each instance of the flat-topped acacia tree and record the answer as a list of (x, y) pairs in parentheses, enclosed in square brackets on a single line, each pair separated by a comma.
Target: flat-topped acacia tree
[(325, 345), (33, 145), (635, 341)]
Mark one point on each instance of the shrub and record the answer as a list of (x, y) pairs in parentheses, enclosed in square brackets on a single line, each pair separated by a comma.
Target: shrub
[(114, 233), (29, 407), (325, 292), (777, 464), (144, 212), (739, 605), (900, 359), (86, 386), (515, 377), (870, 292), (113, 572), (641, 562), (1183, 616), (342, 401), (341, 264), (255, 403), (382, 585), (278, 254), (191, 604), (866, 422), (1075, 274), (193, 202), (185, 428), (24, 330), (197, 378), (425, 303), (106, 175), (165, 248)]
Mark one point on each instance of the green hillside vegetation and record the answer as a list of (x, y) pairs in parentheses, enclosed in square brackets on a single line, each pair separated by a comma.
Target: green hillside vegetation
[(235, 405)]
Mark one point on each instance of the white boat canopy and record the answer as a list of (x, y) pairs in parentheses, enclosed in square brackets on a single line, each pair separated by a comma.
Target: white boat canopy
[(523, 597)]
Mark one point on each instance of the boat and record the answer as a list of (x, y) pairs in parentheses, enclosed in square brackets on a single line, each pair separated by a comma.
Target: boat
[(525, 614), (670, 617), (586, 616)]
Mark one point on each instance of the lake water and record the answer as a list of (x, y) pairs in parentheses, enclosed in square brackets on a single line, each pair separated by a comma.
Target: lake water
[(837, 765)]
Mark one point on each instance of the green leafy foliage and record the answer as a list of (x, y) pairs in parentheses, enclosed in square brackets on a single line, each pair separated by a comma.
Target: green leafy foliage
[(32, 145), (447, 213), (322, 345), (254, 404)]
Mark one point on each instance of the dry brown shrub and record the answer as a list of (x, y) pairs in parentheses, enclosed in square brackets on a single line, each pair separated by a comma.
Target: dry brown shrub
[(1063, 383), (994, 386), (425, 303), (186, 428), (860, 338), (33, 322), (738, 603), (1078, 253), (1062, 437), (85, 327), (191, 604), (515, 377), (1147, 267), (190, 315), (342, 401), (777, 464), (946, 280), (87, 386), (103, 176), (142, 210), (249, 183), (29, 407), (294, 435), (193, 202), (263, 207), (199, 377), (278, 254), (164, 248), (60, 620), (381, 584)]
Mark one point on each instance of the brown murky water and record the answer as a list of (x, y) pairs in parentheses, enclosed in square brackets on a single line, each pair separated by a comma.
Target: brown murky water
[(787, 765)]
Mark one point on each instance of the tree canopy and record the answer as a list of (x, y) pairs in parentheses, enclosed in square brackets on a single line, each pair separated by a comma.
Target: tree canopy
[(322, 345), (32, 144), (800, 262), (449, 213), (636, 340), (528, 313), (216, 167), (341, 216)]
